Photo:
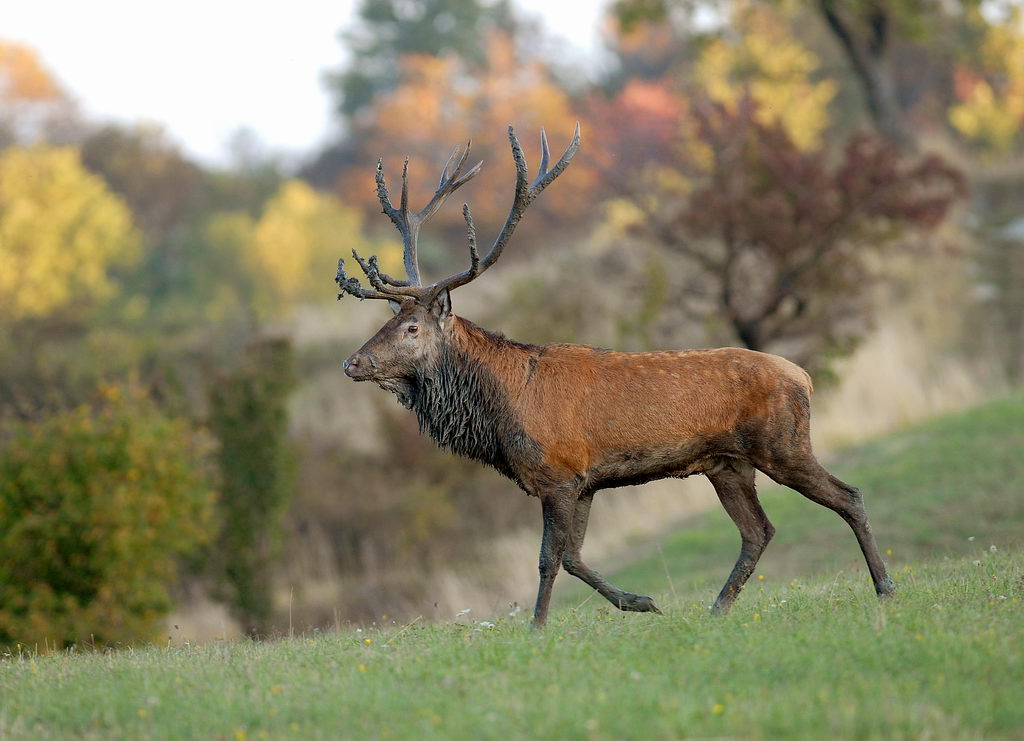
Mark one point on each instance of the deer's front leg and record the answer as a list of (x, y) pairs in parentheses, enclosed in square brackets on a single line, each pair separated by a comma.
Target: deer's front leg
[(573, 563), (558, 507)]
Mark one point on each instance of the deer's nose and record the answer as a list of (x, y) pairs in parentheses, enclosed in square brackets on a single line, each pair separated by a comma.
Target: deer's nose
[(358, 365)]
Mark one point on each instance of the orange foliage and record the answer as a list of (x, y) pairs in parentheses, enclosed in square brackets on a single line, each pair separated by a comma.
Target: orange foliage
[(23, 77), (33, 107), (443, 102), (645, 48), (639, 126)]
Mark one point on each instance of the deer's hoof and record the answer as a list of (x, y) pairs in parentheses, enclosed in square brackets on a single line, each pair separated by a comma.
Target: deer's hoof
[(638, 603), (720, 608)]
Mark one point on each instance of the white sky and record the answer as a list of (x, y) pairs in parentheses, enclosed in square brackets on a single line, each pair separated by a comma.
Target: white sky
[(205, 68)]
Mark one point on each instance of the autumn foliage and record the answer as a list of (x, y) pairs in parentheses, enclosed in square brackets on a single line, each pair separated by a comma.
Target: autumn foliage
[(781, 241), (97, 505), (746, 177), (443, 102), (61, 233)]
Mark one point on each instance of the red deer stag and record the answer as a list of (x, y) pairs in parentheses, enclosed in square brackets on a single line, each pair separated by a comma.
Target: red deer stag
[(565, 421)]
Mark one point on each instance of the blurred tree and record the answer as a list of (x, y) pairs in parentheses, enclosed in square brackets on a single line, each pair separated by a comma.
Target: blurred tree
[(390, 29), (223, 280), (866, 32), (33, 106), (201, 272), (148, 171), (23, 75), (781, 245), (245, 188), (777, 71), (62, 233), (249, 415), (991, 109), (97, 504), (296, 244), (637, 128), (439, 103), (643, 50)]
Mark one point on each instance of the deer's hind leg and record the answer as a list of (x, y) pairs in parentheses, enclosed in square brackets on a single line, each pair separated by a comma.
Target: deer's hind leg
[(734, 485), (807, 476), (573, 563)]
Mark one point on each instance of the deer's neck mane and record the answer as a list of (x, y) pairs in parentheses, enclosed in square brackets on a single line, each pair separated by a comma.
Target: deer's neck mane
[(463, 398)]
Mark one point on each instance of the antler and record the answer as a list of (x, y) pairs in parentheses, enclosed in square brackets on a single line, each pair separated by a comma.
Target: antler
[(409, 224), (452, 178), (524, 196), (353, 287)]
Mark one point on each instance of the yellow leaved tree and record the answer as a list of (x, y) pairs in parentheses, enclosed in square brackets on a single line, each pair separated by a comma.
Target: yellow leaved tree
[(294, 247), (778, 71), (62, 233), (991, 111)]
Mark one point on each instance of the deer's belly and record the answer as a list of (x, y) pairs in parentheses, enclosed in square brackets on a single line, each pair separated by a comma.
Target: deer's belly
[(640, 465)]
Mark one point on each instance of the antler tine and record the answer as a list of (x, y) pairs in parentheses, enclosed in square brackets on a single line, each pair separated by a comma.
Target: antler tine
[(370, 270), (378, 279), (385, 278), (474, 256), (456, 150), (545, 153), (352, 287), (524, 196), (404, 208), (392, 281), (382, 193), (522, 173), (545, 177), (400, 218), (451, 180)]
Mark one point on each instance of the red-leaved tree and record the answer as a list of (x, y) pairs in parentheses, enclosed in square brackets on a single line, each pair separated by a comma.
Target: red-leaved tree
[(780, 242)]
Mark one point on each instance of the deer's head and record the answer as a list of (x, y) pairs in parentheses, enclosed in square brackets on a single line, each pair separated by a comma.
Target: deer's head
[(415, 335)]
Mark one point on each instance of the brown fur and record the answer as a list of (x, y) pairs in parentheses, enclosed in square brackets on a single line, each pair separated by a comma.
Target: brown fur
[(564, 421), (609, 418)]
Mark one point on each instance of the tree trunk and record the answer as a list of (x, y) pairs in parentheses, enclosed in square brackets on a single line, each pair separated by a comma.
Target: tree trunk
[(869, 59)]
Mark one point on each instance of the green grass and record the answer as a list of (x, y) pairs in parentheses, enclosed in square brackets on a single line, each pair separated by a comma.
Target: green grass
[(941, 660), (801, 655)]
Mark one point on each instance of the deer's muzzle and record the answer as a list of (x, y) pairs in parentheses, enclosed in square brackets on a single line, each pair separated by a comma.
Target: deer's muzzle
[(360, 366)]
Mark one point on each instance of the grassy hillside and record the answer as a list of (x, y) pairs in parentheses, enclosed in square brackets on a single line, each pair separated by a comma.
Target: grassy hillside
[(942, 660), (801, 655)]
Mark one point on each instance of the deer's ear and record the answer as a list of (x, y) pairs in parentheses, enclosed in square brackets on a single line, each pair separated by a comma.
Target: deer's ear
[(395, 306), (441, 308)]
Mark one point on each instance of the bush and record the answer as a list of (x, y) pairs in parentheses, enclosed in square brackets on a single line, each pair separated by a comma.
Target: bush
[(249, 415), (96, 506)]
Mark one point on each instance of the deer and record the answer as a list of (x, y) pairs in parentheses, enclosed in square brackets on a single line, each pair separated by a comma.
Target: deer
[(564, 421)]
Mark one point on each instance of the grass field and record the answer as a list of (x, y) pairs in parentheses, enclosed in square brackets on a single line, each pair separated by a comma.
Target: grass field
[(807, 652)]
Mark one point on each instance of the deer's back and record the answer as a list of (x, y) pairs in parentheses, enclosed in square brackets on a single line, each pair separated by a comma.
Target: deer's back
[(592, 409)]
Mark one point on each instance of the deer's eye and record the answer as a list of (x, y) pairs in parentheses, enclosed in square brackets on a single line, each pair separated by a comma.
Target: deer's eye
[(413, 329)]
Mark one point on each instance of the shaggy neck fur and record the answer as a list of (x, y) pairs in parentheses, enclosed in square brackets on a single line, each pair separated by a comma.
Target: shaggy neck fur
[(461, 404)]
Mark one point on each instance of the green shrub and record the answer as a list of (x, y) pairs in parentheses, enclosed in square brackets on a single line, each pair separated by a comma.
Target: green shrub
[(249, 415), (97, 504)]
